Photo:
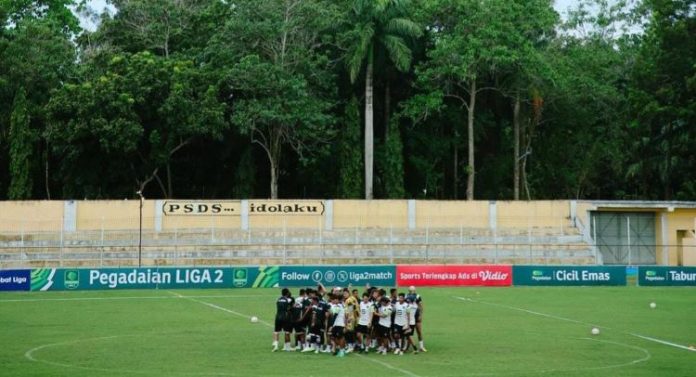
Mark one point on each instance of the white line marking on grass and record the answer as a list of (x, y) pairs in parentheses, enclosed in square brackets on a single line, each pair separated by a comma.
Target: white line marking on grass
[(191, 298), (532, 312), (30, 356), (663, 342), (382, 363), (576, 321), (127, 298), (632, 362), (387, 365)]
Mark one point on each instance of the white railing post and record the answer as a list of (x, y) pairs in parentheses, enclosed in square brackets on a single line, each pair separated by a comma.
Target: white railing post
[(495, 244), (529, 242), (176, 244), (321, 236), (212, 230), (391, 244), (62, 232), (427, 241), (285, 240), (594, 239), (101, 237), (628, 234)]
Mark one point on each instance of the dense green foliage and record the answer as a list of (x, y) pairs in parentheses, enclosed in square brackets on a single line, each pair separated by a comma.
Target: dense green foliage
[(448, 99)]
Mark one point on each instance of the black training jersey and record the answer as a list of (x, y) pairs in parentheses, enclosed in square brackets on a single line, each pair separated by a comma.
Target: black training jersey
[(376, 305), (283, 306), (414, 297), (318, 315), (297, 309)]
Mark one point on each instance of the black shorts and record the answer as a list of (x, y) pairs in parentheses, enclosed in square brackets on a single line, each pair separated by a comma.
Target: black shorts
[(281, 325), (316, 330), (401, 330), (300, 327), (337, 331), (382, 331), (409, 332), (362, 329)]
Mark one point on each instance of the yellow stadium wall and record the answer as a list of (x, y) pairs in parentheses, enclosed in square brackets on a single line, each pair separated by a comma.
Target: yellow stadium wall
[(114, 214), (370, 213), (678, 220), (452, 214), (50, 216), (534, 214), (31, 216)]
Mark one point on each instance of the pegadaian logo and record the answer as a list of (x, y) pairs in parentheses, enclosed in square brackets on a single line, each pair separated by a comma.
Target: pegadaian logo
[(651, 275), (240, 277), (72, 279), (538, 275)]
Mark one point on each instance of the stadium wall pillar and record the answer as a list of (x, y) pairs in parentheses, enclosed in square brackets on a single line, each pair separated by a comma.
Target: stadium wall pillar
[(493, 215), (328, 215), (245, 215), (159, 209), (69, 216), (412, 214)]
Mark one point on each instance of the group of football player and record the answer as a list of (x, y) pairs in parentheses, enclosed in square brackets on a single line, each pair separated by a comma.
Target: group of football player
[(341, 321)]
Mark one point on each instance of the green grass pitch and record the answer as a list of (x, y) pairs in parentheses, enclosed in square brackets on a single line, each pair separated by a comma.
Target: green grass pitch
[(469, 332)]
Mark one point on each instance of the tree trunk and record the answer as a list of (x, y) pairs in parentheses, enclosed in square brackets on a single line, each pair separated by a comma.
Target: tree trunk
[(46, 174), (170, 190), (470, 135), (387, 109), (274, 157), (516, 166), (525, 140), (369, 129), (455, 184), (274, 181)]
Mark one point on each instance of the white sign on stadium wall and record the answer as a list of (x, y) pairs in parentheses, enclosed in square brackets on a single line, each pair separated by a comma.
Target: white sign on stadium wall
[(234, 208)]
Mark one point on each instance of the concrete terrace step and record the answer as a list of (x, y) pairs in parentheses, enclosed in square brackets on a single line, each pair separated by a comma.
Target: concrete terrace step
[(149, 262)]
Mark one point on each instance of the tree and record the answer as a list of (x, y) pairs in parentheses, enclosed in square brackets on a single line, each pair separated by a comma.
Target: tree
[(142, 111), (350, 183), (392, 162), (281, 89), (470, 42), (163, 27), (526, 75), (663, 104), (379, 26), (36, 56), (21, 149)]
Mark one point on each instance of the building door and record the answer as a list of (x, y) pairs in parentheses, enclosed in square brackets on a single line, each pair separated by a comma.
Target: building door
[(625, 237)]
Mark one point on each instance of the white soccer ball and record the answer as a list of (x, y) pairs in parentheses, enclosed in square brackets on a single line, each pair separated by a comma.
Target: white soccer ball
[(595, 331), (254, 319), (653, 305)]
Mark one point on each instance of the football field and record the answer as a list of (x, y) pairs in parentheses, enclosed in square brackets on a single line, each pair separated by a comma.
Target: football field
[(468, 332)]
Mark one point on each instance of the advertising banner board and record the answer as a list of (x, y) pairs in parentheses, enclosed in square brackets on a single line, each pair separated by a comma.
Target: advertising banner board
[(569, 275), (453, 275)]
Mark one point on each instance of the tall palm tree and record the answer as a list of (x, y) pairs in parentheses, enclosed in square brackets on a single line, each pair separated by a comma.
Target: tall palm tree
[(379, 26)]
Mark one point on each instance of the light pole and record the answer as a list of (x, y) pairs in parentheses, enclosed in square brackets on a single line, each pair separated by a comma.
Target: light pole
[(140, 233)]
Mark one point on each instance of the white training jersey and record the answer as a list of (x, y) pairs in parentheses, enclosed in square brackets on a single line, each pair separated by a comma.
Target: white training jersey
[(385, 321), (339, 315), (412, 307), (401, 318), (366, 310)]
